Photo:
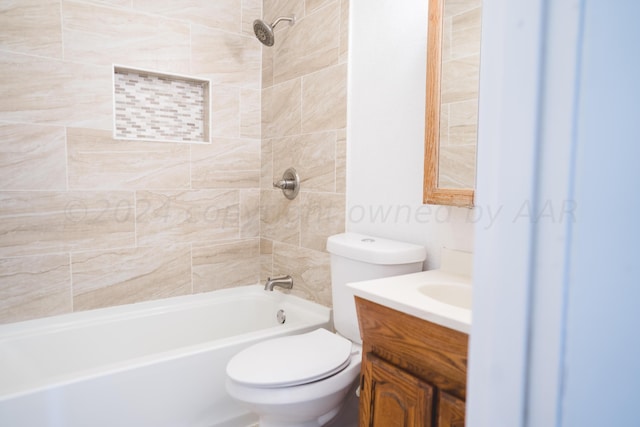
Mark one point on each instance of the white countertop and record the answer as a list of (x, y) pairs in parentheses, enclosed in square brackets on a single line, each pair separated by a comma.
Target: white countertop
[(403, 293)]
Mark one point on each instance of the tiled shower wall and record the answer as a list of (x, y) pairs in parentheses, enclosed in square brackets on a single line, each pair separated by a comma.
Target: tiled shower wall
[(304, 82), (87, 221)]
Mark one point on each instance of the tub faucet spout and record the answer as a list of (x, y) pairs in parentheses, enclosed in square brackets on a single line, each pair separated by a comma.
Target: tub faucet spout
[(284, 282)]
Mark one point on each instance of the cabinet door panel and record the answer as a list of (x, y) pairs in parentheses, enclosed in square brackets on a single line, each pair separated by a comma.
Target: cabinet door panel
[(392, 397), (450, 411)]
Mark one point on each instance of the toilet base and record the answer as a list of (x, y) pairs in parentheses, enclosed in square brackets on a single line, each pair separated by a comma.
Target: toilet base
[(345, 415), (319, 422), (267, 422)]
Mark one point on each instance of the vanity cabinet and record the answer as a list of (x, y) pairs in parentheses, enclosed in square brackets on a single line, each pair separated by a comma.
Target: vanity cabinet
[(413, 371)]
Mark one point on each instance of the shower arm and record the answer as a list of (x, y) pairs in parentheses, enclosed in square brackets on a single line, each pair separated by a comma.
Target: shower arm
[(291, 20)]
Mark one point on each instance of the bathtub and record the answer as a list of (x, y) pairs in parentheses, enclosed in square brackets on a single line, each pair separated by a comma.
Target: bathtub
[(159, 363)]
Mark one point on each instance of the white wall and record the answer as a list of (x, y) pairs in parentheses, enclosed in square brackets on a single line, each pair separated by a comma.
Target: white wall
[(386, 97)]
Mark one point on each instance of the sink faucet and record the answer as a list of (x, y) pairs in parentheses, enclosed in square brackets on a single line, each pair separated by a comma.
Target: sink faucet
[(284, 282)]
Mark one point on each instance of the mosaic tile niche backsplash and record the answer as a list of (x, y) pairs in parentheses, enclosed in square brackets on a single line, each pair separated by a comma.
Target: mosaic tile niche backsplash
[(157, 107)]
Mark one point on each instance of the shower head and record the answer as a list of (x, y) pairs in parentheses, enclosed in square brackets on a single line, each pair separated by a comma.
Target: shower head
[(264, 31)]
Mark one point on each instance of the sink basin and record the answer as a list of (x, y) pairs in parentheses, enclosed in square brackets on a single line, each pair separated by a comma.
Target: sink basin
[(440, 296), (451, 294)]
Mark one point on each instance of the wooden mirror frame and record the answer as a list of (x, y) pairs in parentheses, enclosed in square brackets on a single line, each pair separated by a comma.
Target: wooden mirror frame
[(432, 193)]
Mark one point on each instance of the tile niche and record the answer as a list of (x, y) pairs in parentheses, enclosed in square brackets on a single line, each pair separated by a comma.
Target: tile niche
[(160, 107)]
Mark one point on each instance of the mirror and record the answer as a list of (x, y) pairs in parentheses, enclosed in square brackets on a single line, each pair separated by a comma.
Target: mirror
[(451, 122)]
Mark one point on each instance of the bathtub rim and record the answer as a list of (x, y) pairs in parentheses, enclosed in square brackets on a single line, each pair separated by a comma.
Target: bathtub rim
[(141, 309)]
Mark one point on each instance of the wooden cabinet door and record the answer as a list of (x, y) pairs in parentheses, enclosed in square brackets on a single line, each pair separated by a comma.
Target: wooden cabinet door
[(450, 411), (391, 397)]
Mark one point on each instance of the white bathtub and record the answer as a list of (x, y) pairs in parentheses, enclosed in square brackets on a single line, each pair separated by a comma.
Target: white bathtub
[(159, 363)]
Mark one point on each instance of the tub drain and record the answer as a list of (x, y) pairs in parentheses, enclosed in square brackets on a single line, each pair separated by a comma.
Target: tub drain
[(281, 316)]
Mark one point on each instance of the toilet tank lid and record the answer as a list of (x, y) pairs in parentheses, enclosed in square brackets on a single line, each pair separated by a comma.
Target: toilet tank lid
[(375, 250)]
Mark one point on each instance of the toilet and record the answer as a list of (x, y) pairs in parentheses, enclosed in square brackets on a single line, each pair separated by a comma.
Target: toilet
[(303, 380)]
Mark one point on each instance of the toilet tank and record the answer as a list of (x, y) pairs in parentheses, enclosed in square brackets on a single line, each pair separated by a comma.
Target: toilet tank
[(356, 257)]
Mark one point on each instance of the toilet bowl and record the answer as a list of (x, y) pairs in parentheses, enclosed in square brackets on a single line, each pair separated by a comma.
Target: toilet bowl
[(303, 380)]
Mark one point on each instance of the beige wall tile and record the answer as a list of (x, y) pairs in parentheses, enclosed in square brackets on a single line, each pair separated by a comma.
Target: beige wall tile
[(463, 122), (32, 287), (273, 9), (32, 157), (266, 259), (466, 33), (226, 163), (460, 79), (456, 7), (321, 215), (341, 161), (267, 67), (311, 6), (457, 166), (226, 58), (281, 109), (324, 99), (344, 31), (169, 217), (37, 222), (313, 157), (251, 10), (250, 110), (310, 271), (48, 91), (226, 265), (266, 158), (31, 26), (116, 3), (103, 35), (225, 111), (458, 124), (222, 14), (279, 217), (303, 48), (96, 160), (107, 278), (444, 124), (249, 213), (447, 24)]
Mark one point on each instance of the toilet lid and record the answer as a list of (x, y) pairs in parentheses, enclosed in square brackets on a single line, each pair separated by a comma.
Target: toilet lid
[(291, 360)]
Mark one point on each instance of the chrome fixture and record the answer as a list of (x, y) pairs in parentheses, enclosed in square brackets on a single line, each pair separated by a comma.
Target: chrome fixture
[(264, 31), (285, 282), (289, 184)]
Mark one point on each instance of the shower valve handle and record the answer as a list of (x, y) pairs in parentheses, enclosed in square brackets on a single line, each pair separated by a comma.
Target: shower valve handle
[(289, 184), (285, 184)]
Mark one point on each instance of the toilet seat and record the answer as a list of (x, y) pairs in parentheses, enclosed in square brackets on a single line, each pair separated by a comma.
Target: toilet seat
[(291, 360)]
